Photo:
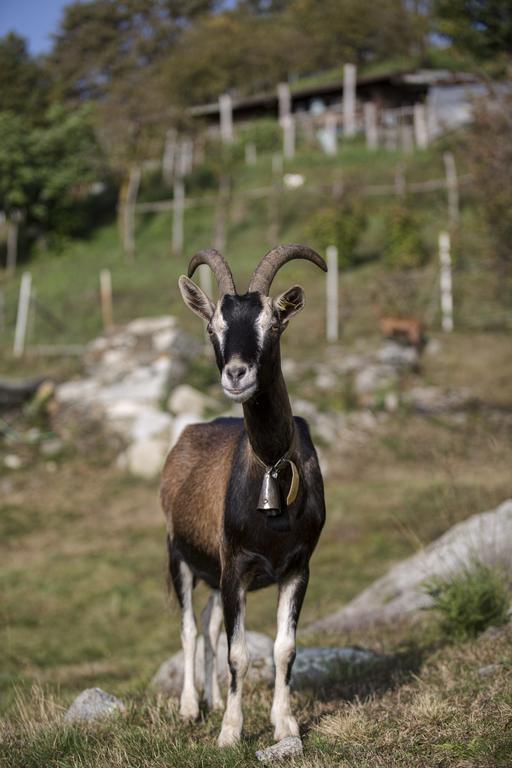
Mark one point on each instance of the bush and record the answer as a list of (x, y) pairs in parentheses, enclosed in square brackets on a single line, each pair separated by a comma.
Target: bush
[(341, 226), (403, 245), (470, 601)]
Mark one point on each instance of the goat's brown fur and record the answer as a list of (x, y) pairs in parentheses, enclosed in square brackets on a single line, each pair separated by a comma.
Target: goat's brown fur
[(194, 482)]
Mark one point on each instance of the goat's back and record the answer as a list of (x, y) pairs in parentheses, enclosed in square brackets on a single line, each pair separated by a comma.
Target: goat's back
[(194, 482)]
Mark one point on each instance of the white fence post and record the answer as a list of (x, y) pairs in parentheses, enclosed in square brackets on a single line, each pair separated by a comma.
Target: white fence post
[(106, 298), (446, 282), (251, 155), (22, 316), (420, 126), (370, 125), (226, 118), (349, 100), (285, 100), (288, 125), (332, 293), (452, 186), (178, 212)]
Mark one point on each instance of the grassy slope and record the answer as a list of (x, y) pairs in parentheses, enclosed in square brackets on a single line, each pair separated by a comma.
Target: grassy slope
[(82, 559)]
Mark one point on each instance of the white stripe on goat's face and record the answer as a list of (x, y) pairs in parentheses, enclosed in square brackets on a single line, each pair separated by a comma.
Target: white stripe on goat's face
[(244, 331)]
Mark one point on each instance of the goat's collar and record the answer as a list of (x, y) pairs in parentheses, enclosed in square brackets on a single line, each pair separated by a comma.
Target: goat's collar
[(269, 500)]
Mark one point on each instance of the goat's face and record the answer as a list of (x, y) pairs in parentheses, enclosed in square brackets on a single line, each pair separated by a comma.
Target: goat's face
[(245, 332)]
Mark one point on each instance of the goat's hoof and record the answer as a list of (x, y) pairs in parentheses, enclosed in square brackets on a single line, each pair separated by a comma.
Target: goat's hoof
[(287, 727), (229, 736), (189, 711)]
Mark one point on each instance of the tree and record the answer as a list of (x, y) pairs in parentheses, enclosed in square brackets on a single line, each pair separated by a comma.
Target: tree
[(482, 28), (23, 82)]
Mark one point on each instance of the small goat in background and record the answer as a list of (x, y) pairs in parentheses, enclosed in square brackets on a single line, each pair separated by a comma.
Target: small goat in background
[(243, 498)]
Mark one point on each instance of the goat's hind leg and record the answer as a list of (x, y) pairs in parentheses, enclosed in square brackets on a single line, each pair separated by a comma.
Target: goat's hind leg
[(211, 619), (183, 582), (291, 596)]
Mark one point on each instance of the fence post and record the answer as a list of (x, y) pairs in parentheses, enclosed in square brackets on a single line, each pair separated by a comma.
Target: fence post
[(221, 213), (349, 100), (251, 156), (420, 126), (370, 125), (331, 133), (332, 293), (178, 212), (169, 156), (452, 186), (288, 126), (226, 118), (2, 312), (12, 222), (22, 315), (129, 211), (106, 298), (446, 282), (400, 180)]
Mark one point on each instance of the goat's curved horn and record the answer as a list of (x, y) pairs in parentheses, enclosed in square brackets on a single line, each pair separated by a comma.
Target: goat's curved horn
[(219, 267), (266, 270)]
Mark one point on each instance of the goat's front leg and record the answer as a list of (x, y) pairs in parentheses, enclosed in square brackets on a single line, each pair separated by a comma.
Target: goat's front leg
[(233, 601), (291, 596), (211, 618), (183, 581)]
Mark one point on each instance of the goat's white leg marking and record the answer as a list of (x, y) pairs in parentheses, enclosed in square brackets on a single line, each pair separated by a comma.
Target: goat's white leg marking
[(291, 595), (234, 615), (212, 622), (189, 704)]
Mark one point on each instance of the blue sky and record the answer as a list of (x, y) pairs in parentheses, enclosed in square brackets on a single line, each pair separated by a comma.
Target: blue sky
[(32, 19)]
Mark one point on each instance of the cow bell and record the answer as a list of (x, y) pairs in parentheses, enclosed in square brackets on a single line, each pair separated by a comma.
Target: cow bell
[(269, 500)]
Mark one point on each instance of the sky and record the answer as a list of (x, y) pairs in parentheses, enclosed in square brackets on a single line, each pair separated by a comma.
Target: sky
[(33, 19)]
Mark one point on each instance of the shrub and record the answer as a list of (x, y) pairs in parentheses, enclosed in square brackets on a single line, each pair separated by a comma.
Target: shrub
[(470, 601), (342, 227), (403, 245)]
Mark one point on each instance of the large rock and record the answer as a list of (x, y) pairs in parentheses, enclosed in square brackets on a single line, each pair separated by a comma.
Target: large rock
[(291, 746), (486, 537), (186, 399), (169, 677), (318, 666), (144, 458), (433, 400), (92, 706)]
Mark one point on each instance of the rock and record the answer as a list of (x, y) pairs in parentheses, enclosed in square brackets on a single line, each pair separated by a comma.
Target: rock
[(147, 326), (433, 400), (12, 461), (186, 399), (486, 537), (151, 423), (182, 422), (317, 666), (52, 447), (93, 705), (398, 355), (291, 746), (169, 677), (374, 378), (144, 458)]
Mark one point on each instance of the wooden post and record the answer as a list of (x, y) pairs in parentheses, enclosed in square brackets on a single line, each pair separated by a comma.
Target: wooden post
[(12, 242), (274, 200), (285, 100), (370, 125), (129, 212), (332, 293), (446, 282), (226, 118), (331, 133), (178, 212), (251, 156), (420, 126), (407, 138), (106, 298), (22, 315), (349, 100), (2, 312), (452, 186), (400, 180), (288, 125), (205, 279), (169, 156)]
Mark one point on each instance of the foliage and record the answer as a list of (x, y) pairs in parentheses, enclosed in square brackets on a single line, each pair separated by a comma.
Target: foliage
[(470, 601), (264, 134), (17, 174), (23, 82), (490, 152), (403, 245), (483, 29), (340, 226)]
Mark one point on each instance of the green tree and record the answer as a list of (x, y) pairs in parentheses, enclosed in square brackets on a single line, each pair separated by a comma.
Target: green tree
[(482, 28), (17, 174), (23, 82)]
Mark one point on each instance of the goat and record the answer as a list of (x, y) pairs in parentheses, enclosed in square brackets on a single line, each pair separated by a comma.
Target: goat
[(243, 498)]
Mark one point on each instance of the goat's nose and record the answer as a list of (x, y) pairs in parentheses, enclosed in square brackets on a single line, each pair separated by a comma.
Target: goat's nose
[(236, 373)]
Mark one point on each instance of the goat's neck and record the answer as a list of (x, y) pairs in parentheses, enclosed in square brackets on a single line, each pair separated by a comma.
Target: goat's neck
[(269, 420)]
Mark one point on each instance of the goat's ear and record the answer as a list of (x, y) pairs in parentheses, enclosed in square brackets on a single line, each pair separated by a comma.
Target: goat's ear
[(196, 299), (290, 302)]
